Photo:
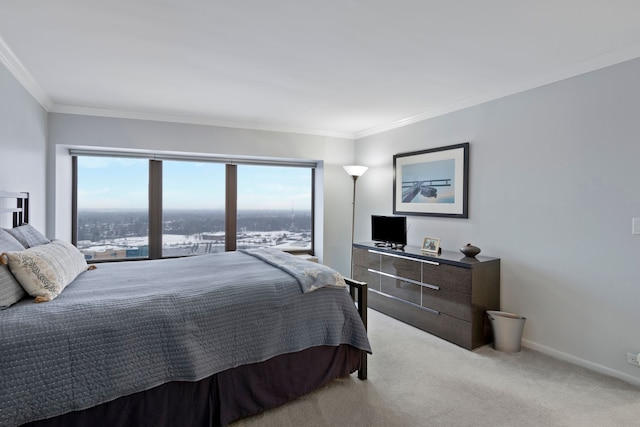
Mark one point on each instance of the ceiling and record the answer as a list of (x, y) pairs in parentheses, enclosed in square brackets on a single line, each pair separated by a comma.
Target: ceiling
[(346, 68)]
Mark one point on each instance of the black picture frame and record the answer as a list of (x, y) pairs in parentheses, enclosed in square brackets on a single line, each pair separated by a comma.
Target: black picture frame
[(433, 182)]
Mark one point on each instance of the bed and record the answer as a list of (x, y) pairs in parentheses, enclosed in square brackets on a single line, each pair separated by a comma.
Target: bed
[(194, 341)]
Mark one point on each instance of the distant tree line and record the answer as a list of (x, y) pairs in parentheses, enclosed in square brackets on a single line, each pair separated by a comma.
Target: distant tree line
[(98, 225)]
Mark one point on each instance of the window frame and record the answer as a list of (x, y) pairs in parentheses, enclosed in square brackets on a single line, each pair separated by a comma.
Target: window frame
[(155, 210)]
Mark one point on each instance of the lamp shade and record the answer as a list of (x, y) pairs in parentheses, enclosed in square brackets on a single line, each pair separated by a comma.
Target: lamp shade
[(355, 170)]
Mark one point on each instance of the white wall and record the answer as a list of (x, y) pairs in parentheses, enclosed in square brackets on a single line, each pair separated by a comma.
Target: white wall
[(333, 197), (23, 133), (553, 175)]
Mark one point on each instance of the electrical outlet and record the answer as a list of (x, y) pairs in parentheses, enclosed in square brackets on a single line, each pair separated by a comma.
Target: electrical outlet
[(634, 359)]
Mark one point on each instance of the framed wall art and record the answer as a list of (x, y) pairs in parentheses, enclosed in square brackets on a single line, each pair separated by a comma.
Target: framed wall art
[(432, 182)]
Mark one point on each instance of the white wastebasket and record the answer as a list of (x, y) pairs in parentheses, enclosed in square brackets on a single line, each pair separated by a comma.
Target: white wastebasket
[(507, 330)]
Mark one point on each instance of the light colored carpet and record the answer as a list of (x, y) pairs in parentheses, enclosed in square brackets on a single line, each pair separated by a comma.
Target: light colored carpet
[(416, 379)]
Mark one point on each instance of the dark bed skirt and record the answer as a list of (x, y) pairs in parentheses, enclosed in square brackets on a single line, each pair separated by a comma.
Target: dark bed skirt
[(221, 398)]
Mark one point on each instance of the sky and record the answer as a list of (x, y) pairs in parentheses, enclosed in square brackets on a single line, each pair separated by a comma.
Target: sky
[(439, 169), (122, 183)]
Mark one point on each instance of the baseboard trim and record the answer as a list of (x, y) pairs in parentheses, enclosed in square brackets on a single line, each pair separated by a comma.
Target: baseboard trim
[(581, 362)]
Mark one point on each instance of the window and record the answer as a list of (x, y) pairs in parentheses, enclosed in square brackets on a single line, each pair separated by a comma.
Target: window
[(274, 207), (193, 214), (112, 207), (141, 208)]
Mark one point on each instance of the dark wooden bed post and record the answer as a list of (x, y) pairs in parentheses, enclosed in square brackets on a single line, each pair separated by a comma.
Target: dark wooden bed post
[(20, 214), (361, 288)]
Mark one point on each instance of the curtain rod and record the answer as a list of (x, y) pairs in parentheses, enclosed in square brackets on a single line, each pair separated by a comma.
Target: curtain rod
[(194, 158)]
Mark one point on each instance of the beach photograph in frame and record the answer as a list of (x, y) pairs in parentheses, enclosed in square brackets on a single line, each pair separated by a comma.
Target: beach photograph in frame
[(432, 182)]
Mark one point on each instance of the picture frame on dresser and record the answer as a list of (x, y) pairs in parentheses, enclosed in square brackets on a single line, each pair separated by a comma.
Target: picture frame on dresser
[(433, 182), (431, 245)]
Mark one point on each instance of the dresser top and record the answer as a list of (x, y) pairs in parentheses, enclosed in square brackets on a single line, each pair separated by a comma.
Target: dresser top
[(446, 257)]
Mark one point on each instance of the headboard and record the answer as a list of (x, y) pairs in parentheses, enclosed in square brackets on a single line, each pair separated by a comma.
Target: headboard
[(21, 210)]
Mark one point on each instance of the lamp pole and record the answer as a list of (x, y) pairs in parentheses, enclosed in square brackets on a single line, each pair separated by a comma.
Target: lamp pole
[(353, 223), (355, 171)]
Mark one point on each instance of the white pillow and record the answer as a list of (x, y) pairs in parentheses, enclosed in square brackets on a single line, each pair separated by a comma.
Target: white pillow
[(45, 270)]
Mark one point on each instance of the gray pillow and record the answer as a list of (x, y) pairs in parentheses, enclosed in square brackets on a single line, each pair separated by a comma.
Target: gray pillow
[(28, 236), (10, 290)]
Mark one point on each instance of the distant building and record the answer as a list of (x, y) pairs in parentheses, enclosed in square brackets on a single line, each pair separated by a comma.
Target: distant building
[(113, 252)]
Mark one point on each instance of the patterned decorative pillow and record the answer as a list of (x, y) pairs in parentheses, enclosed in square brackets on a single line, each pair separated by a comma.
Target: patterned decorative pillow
[(10, 290), (27, 236), (45, 270)]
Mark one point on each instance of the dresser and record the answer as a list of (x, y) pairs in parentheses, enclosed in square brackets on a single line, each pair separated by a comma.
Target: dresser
[(446, 295)]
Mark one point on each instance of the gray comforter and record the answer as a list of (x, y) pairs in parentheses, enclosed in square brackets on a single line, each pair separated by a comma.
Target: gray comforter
[(128, 327)]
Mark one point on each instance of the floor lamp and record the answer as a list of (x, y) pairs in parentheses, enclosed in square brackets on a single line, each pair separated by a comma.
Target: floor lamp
[(355, 171)]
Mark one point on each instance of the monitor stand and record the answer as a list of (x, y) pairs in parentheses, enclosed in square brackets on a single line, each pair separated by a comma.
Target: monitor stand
[(394, 246)]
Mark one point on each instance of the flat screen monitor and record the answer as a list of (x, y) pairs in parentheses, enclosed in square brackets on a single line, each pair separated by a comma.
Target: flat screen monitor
[(389, 230)]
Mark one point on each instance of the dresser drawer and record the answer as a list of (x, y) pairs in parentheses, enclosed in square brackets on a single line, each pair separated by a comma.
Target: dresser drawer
[(447, 277), (444, 326), (401, 267), (456, 304), (401, 289), (365, 258), (450, 328), (363, 274)]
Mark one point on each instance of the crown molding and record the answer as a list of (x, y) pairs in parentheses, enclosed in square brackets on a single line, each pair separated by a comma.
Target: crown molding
[(15, 67), (594, 63), (101, 112)]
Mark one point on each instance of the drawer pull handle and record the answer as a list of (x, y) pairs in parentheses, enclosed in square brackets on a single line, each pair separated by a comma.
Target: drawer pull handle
[(427, 309), (415, 282), (403, 257)]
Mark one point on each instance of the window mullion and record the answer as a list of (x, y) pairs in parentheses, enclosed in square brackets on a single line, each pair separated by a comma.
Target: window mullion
[(231, 208), (155, 209), (313, 210), (74, 200)]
